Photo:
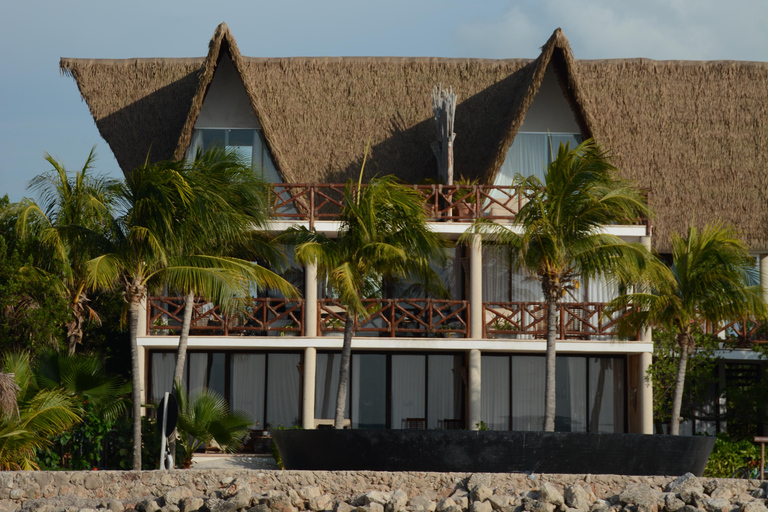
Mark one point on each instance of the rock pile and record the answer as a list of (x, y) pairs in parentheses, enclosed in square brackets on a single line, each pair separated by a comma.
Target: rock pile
[(469, 493)]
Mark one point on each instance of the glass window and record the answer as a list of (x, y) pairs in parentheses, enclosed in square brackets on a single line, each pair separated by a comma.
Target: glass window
[(445, 388), (531, 153), (528, 379), (494, 382), (571, 393), (369, 391), (163, 365), (409, 392), (247, 386), (606, 394), (327, 385), (283, 390)]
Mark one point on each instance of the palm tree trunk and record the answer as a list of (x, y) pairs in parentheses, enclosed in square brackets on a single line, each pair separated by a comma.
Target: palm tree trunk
[(133, 329), (346, 355), (550, 401), (181, 354), (677, 398)]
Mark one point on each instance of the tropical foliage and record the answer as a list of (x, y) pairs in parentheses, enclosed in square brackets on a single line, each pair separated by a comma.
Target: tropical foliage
[(712, 280), (561, 239), (383, 234), (204, 416), (40, 413)]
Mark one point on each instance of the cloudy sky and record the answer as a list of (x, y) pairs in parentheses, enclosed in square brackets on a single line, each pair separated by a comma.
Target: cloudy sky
[(41, 111)]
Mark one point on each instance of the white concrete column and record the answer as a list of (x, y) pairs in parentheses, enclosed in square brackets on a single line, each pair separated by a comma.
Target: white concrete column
[(308, 401), (647, 333), (764, 275), (143, 376), (645, 394), (310, 300), (474, 391), (476, 288)]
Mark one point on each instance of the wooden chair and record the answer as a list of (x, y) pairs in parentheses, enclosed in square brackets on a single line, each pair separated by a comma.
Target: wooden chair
[(451, 424), (415, 423)]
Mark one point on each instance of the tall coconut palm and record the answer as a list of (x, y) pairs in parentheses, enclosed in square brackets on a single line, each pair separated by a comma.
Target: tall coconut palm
[(145, 253), (712, 280), (560, 238), (383, 233), (69, 220)]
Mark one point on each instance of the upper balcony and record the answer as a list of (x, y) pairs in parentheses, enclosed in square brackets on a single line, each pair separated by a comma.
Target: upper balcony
[(312, 202)]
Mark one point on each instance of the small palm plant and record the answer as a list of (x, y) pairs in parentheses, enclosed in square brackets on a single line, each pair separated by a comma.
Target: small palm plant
[(39, 414), (204, 416)]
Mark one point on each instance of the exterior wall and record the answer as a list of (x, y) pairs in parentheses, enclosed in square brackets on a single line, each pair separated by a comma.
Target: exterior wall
[(550, 111), (226, 104)]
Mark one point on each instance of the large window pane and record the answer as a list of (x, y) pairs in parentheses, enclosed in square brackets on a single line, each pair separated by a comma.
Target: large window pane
[(247, 386), (369, 391), (327, 386), (494, 382), (408, 388), (445, 389), (283, 388), (606, 394), (528, 379), (163, 365), (571, 393)]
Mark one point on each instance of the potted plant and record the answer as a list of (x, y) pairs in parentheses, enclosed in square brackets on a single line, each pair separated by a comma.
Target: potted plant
[(500, 329), (465, 199)]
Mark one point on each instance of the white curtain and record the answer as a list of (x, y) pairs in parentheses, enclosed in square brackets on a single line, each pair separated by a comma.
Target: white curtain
[(495, 275), (327, 386), (198, 371), (528, 379), (408, 388), (163, 365), (283, 387), (494, 383), (606, 394), (444, 389), (528, 155), (247, 386)]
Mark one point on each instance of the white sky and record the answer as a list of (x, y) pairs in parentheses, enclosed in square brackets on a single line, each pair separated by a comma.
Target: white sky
[(41, 111)]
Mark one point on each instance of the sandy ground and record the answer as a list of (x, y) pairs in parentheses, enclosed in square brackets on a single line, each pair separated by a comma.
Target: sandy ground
[(217, 461)]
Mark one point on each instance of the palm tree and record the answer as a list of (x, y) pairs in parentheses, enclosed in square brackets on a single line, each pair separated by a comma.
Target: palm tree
[(69, 221), (39, 414), (205, 416), (383, 234), (145, 252), (711, 281), (561, 239)]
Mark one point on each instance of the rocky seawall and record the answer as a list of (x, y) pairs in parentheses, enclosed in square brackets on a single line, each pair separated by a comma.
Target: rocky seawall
[(368, 491)]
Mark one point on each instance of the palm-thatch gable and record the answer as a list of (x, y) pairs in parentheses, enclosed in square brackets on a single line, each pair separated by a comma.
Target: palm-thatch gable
[(695, 133)]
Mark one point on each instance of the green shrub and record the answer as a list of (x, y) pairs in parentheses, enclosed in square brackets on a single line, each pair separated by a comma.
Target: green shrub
[(728, 455)]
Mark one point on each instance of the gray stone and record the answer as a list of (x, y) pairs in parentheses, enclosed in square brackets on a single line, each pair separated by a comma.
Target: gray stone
[(397, 501), (717, 505), (148, 505), (577, 497), (476, 479), (691, 508), (693, 497), (758, 493), (480, 506), (175, 495), (309, 492), (455, 508), (499, 502), (321, 502), (191, 504), (296, 500), (548, 493), (685, 482), (672, 503), (481, 493), (16, 494), (241, 499), (754, 506), (261, 507), (382, 498), (445, 504), (421, 504), (170, 508), (343, 506), (219, 505), (279, 502), (721, 491), (117, 506)]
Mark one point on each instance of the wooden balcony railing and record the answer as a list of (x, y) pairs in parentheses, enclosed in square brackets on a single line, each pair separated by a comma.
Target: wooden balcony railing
[(252, 317), (741, 333), (528, 320), (461, 203), (399, 317)]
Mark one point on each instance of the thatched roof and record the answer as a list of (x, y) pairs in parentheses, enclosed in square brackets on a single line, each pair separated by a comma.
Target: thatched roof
[(695, 133)]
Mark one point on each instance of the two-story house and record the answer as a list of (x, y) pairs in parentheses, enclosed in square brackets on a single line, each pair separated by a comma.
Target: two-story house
[(695, 134)]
